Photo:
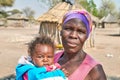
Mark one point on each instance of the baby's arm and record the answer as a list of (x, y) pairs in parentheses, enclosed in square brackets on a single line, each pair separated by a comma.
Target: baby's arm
[(52, 71), (53, 67), (57, 66)]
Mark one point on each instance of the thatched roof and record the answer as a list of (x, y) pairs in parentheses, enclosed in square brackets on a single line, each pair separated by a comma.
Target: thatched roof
[(17, 16), (109, 19), (101, 20), (56, 13)]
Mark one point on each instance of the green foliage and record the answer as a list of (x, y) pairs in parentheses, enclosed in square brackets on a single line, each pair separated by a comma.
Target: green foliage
[(5, 3), (3, 14), (14, 11), (107, 6), (28, 12), (90, 6), (118, 15), (84, 3)]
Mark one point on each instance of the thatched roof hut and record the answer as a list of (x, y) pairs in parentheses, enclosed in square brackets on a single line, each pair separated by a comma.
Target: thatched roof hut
[(17, 20), (51, 20), (109, 19)]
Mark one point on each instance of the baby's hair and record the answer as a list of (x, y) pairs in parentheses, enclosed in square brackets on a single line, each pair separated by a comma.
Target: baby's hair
[(43, 40)]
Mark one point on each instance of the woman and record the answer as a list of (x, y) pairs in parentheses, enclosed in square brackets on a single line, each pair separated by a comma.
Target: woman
[(77, 64)]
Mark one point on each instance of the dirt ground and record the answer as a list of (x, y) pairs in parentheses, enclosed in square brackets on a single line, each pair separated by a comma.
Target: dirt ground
[(13, 44)]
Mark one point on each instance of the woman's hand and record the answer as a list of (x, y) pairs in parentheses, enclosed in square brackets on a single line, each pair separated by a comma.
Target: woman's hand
[(65, 71)]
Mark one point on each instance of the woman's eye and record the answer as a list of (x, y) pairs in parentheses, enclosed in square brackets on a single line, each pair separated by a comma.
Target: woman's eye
[(81, 32), (69, 29)]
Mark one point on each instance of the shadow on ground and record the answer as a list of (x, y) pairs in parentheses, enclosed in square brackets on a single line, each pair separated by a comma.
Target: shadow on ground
[(12, 77), (114, 35), (113, 78)]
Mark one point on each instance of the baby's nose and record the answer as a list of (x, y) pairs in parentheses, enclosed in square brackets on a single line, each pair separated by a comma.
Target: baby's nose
[(45, 59)]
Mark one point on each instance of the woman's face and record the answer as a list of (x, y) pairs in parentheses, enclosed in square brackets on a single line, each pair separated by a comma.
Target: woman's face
[(43, 55), (73, 34)]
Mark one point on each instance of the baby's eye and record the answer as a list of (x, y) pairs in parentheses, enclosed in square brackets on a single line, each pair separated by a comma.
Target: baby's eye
[(50, 56), (40, 56)]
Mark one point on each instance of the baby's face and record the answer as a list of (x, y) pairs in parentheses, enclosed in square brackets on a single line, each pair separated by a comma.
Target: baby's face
[(43, 55)]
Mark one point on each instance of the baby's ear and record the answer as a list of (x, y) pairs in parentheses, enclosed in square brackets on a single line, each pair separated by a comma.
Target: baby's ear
[(28, 52)]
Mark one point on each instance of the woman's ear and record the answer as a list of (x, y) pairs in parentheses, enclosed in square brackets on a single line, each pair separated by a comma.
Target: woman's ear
[(60, 32)]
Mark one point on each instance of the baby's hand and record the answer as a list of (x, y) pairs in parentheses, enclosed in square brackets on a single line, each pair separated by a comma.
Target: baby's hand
[(49, 68), (57, 66), (53, 67)]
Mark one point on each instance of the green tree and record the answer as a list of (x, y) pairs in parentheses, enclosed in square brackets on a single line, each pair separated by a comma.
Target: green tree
[(90, 6), (28, 12), (3, 14), (14, 11), (117, 13), (84, 3), (6, 3), (107, 6)]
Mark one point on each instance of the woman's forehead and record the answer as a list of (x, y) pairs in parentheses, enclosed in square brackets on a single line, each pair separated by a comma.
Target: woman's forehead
[(75, 21)]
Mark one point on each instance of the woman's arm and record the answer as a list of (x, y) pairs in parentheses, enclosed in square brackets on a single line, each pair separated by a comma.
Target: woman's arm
[(97, 73)]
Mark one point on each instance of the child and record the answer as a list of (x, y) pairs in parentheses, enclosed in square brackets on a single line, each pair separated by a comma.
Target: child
[(39, 65)]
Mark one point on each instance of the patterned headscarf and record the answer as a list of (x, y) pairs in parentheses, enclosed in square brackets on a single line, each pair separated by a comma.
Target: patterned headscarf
[(82, 15)]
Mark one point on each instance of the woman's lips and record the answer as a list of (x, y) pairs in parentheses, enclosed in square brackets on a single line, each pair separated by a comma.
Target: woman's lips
[(70, 44)]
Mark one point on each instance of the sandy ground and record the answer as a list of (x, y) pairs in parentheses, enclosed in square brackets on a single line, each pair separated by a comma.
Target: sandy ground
[(13, 44)]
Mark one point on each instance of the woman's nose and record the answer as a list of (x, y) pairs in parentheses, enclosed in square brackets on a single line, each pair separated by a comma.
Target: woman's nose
[(73, 34)]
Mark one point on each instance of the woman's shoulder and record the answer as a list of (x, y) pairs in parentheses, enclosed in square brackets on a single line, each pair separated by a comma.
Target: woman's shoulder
[(90, 61), (97, 72)]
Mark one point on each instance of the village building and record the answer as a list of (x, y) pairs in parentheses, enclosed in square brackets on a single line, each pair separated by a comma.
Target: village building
[(17, 20)]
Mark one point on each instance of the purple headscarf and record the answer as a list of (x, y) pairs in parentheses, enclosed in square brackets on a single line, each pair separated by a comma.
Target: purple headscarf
[(82, 15)]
